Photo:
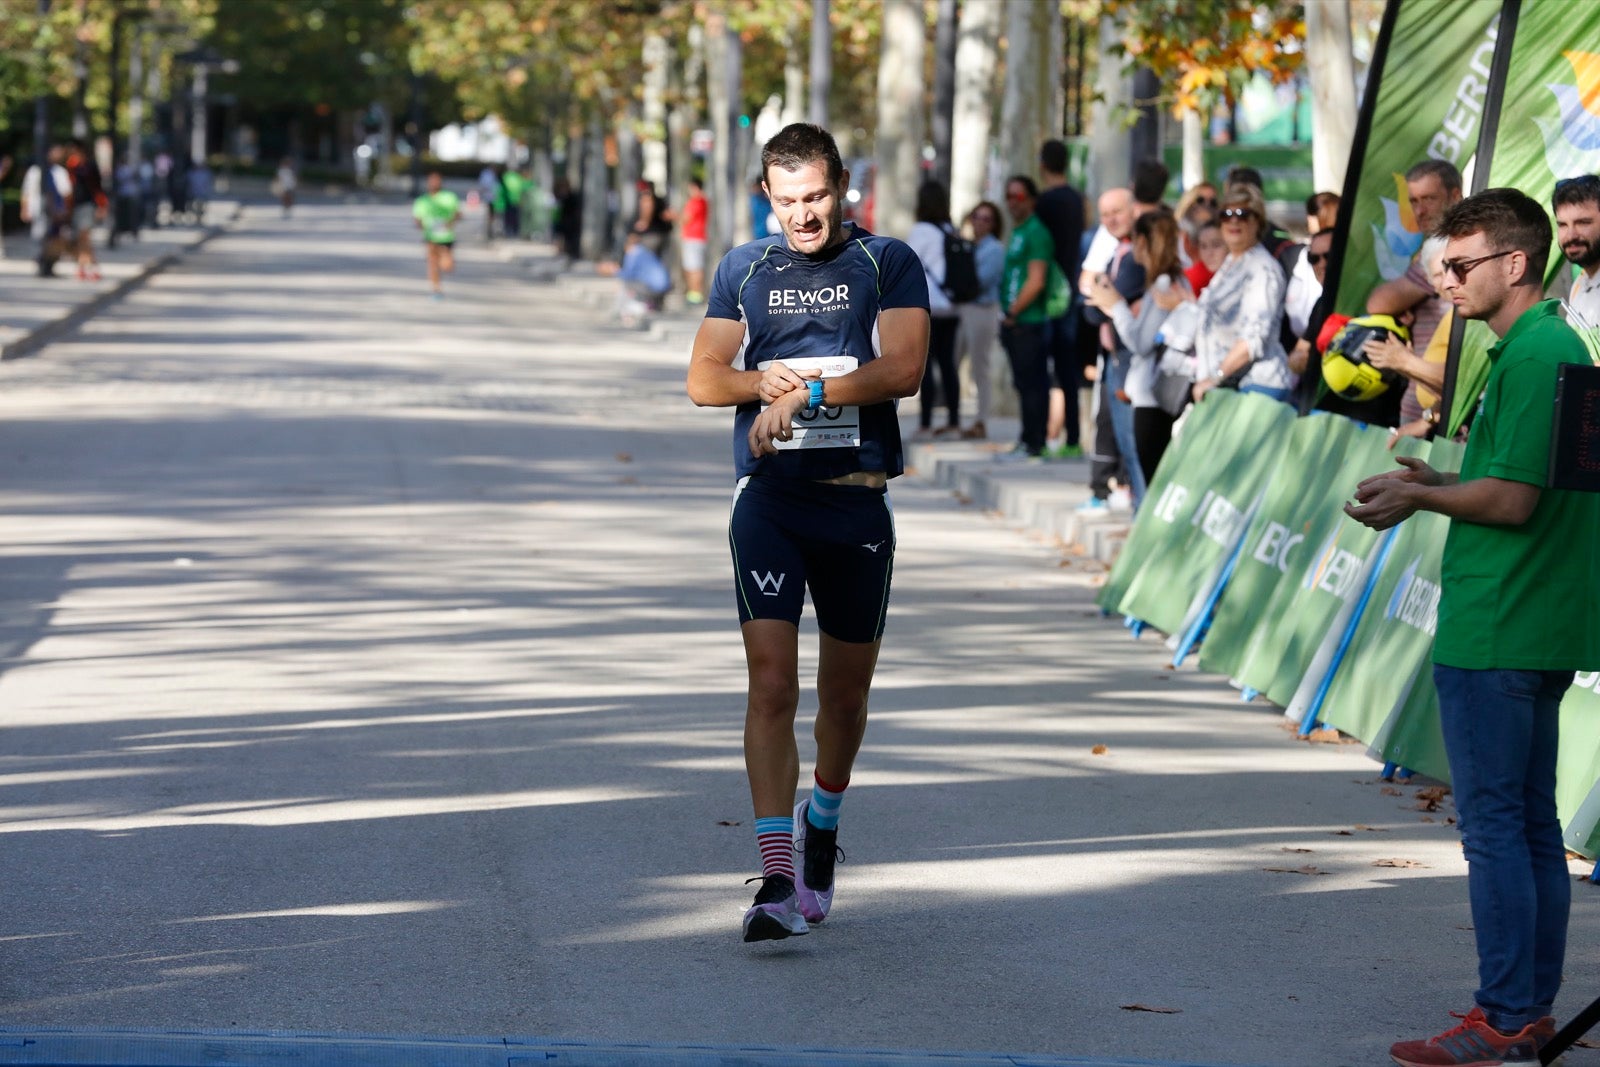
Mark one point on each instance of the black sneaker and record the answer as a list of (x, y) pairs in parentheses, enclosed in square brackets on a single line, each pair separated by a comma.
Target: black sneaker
[(776, 913), (818, 850)]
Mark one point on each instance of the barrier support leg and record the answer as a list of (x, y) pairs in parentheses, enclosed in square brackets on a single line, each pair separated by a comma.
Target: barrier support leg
[(1249, 695)]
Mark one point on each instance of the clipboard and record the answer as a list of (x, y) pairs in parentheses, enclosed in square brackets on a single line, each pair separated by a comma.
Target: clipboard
[(1575, 429)]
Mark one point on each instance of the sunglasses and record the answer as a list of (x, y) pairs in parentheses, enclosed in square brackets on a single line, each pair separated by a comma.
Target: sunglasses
[(1315, 258), (1208, 201), (1463, 267), (1237, 213)]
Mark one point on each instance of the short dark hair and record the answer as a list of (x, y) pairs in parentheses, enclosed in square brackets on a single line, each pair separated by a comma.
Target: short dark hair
[(1442, 169), (800, 144), (1150, 177), (1053, 157), (1510, 221), (933, 203), (1026, 182), (1584, 189), (1239, 174)]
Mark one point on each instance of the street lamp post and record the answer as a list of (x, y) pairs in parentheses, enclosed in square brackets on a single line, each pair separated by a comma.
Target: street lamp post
[(203, 61)]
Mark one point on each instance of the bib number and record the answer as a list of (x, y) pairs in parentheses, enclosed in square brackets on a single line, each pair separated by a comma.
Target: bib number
[(828, 427)]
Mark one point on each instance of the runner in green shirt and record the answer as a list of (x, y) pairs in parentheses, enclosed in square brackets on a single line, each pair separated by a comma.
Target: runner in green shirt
[(436, 213), (1517, 616)]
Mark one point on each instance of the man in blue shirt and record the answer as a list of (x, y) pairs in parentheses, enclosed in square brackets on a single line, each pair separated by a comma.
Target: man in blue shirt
[(811, 335)]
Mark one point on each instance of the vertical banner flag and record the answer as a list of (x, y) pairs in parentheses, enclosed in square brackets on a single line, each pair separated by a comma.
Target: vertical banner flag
[(1200, 515), (1305, 489), (1578, 765), (1428, 105)]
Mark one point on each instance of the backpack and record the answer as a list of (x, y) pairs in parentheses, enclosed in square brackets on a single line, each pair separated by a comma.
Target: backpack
[(960, 269)]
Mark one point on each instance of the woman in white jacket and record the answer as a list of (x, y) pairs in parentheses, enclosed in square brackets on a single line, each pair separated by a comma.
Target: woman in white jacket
[(1140, 326)]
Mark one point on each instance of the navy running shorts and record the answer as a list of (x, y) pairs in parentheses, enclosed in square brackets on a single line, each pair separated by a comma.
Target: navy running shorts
[(788, 535)]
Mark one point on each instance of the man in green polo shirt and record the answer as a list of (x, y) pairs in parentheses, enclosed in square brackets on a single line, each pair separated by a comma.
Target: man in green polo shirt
[(1517, 617), (1025, 290)]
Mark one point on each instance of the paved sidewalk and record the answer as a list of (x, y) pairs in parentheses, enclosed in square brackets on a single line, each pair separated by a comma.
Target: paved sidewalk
[(35, 310)]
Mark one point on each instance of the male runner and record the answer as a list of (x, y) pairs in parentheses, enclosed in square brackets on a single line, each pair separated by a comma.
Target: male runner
[(436, 212), (811, 334)]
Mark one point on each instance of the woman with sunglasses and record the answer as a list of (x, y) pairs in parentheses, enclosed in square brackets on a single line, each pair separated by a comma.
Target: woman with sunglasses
[(1242, 308)]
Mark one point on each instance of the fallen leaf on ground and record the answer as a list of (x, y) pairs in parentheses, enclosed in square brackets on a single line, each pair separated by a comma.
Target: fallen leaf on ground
[(1294, 870), (1433, 792), (1403, 864), (1582, 1043), (1157, 1011), (729, 822), (1391, 791), (1328, 736), (623, 457), (1099, 750), (1343, 833), (1294, 850), (1372, 829), (963, 499)]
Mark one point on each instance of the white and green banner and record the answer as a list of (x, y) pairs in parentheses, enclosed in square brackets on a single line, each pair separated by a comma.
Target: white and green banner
[(1198, 507), (1304, 492)]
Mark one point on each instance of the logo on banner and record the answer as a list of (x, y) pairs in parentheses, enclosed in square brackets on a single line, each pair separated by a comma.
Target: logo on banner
[(1572, 142), (1334, 570), (1415, 601), (1401, 236)]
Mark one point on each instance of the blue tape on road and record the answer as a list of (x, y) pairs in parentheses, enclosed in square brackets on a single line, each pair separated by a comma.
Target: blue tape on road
[(216, 1048)]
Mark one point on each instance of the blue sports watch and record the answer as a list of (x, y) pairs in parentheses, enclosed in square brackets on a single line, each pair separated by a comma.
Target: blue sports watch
[(815, 400)]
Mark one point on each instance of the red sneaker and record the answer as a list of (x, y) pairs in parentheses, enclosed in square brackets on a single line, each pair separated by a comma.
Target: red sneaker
[(1476, 1044)]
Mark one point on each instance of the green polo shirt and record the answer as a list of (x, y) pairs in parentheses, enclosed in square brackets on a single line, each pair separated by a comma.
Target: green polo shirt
[(1029, 242), (1523, 597)]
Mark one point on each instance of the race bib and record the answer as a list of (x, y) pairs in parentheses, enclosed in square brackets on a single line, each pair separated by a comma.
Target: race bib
[(827, 427)]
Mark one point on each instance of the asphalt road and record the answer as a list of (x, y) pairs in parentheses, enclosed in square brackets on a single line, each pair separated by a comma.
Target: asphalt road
[(370, 665)]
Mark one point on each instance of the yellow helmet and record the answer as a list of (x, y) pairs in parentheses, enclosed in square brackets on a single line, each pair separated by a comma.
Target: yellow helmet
[(1345, 366)]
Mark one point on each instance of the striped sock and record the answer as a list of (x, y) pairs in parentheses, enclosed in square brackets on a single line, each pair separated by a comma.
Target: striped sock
[(775, 838), (825, 802)]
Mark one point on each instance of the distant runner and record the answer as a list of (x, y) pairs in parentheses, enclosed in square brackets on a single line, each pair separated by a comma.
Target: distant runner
[(436, 213), (811, 335)]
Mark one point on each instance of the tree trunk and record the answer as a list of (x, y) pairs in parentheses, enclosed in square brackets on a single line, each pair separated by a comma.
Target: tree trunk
[(723, 196), (821, 62), (1194, 149), (794, 74), (899, 117), (977, 55), (1108, 138), (1026, 108), (595, 184), (1145, 137), (944, 89), (653, 131), (1333, 92), (627, 126), (737, 137)]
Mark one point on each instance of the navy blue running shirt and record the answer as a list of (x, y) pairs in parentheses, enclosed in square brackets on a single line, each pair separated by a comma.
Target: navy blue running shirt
[(818, 311)]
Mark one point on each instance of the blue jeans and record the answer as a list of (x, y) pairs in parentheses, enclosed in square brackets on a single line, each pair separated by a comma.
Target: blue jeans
[(1122, 422), (1500, 729)]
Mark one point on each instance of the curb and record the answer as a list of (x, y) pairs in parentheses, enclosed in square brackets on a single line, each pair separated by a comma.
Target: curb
[(42, 335), (1041, 497), (61, 1047)]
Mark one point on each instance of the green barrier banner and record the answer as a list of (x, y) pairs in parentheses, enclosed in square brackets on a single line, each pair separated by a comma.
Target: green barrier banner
[(1429, 104), (1578, 765), (1306, 487), (1328, 581), (1411, 737), (1395, 633), (1205, 430), (1198, 511)]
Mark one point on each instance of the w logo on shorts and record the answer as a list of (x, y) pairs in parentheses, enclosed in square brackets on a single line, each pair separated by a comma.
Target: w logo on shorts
[(765, 580)]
